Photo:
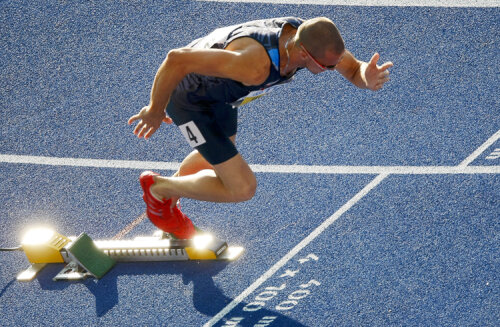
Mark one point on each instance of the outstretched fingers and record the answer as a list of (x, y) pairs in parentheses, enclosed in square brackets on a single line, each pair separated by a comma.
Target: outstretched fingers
[(386, 66), (149, 121), (149, 132), (373, 61), (376, 76), (133, 119)]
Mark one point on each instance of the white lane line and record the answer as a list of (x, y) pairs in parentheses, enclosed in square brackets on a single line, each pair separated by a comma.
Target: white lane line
[(268, 274), (83, 162), (284, 169), (374, 170), (381, 3), (480, 150)]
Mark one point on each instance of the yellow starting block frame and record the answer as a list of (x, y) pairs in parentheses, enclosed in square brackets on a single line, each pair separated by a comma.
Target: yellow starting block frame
[(87, 258)]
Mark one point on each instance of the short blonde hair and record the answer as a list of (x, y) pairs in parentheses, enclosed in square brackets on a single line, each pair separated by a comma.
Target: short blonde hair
[(320, 35)]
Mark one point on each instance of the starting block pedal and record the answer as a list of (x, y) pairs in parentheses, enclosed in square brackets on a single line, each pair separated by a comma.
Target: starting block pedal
[(88, 258), (85, 260)]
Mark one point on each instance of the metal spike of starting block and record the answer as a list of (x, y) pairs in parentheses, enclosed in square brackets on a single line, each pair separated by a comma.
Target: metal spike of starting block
[(88, 258)]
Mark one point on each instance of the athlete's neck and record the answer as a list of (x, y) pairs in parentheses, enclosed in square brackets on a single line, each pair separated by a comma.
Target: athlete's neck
[(287, 42)]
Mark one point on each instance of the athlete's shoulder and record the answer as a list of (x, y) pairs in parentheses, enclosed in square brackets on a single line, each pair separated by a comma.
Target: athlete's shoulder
[(292, 20), (273, 22), (254, 57)]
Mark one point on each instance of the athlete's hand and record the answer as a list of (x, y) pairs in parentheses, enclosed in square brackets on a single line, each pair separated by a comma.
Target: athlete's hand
[(376, 76), (149, 121)]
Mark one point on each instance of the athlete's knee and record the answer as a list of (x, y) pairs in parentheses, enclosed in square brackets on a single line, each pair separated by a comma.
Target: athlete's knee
[(238, 179), (245, 190), (242, 186), (248, 191)]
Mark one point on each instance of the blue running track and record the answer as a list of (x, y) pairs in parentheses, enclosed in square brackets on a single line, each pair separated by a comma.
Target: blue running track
[(373, 208)]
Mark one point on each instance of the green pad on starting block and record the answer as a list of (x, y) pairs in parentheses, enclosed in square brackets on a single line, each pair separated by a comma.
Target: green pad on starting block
[(88, 256)]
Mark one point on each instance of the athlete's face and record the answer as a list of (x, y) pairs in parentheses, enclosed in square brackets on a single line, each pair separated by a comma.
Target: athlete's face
[(316, 67)]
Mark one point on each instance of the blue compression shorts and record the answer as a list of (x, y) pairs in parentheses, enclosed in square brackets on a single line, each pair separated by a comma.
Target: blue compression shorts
[(208, 131)]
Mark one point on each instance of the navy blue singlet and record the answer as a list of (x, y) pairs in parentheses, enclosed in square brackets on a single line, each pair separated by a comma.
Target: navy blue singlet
[(198, 92)]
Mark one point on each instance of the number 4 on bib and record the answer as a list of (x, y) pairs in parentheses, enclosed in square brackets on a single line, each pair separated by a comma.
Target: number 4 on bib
[(192, 134)]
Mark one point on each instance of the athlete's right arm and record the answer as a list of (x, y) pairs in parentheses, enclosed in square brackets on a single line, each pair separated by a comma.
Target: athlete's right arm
[(245, 60), (245, 63)]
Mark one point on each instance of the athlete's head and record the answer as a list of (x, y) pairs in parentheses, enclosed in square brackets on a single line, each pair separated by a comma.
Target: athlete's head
[(320, 39)]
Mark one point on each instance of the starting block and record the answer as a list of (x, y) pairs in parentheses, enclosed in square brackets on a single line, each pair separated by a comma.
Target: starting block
[(87, 258)]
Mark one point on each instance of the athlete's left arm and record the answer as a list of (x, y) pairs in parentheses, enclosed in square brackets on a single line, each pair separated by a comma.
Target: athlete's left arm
[(366, 75)]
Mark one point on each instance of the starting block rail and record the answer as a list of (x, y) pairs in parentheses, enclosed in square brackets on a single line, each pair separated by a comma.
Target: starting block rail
[(87, 258), (161, 248)]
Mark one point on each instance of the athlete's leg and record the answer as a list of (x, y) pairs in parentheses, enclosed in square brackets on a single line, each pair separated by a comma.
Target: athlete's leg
[(216, 171), (210, 173), (192, 164), (230, 181)]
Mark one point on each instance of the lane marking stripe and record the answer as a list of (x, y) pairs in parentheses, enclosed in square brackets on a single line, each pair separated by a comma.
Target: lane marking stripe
[(463, 168), (83, 162), (480, 150), (263, 278)]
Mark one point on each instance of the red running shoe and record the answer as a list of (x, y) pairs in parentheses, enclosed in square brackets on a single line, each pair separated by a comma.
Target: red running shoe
[(161, 214), (184, 228)]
